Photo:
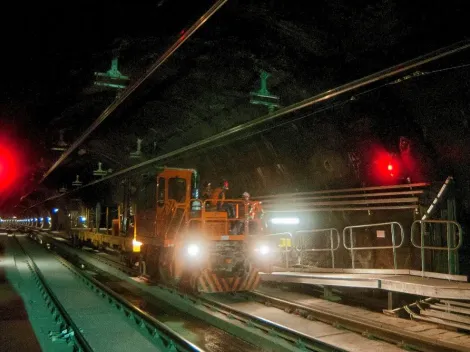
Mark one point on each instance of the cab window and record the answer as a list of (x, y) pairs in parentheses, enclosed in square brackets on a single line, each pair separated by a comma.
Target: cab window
[(146, 195), (177, 189)]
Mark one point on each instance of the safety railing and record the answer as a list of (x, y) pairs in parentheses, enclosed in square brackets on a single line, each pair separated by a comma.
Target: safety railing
[(202, 212), (450, 248), (236, 204), (302, 234), (378, 198), (393, 247)]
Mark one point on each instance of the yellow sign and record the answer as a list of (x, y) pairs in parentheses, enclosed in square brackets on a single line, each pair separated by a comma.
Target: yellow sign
[(285, 242)]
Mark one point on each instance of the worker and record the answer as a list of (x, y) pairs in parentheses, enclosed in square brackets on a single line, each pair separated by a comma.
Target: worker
[(207, 191), (218, 198), (207, 195), (253, 215)]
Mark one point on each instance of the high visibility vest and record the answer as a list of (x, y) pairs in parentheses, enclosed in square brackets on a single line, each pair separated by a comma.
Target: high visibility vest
[(218, 195)]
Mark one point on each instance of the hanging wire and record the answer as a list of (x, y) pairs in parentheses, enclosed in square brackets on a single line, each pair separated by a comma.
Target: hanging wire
[(129, 90), (324, 96)]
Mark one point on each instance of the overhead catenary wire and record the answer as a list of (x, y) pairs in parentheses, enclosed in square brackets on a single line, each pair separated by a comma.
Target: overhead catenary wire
[(324, 96), (129, 90), (344, 102)]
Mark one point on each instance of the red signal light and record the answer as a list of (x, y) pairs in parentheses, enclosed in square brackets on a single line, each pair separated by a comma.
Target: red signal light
[(386, 167), (8, 168)]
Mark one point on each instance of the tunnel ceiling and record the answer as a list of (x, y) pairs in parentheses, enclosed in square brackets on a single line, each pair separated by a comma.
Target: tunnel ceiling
[(204, 88)]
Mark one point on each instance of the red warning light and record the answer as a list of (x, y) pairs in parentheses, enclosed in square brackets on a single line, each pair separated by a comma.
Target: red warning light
[(8, 168), (386, 167)]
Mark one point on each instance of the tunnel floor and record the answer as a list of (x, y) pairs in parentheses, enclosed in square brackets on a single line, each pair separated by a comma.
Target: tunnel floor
[(16, 332)]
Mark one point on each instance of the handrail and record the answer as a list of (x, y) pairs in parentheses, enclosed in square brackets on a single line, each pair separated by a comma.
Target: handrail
[(346, 190), (393, 247), (332, 249), (203, 210), (438, 197), (449, 249)]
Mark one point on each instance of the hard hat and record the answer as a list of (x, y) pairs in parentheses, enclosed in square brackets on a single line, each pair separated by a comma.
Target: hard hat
[(246, 195), (224, 184)]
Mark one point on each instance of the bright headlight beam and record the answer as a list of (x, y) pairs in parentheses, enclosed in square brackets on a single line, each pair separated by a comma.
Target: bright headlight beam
[(193, 250), (136, 243), (285, 221), (264, 250)]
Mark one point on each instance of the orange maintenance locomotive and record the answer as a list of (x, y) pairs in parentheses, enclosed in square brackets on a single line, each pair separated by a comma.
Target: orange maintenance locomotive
[(182, 240)]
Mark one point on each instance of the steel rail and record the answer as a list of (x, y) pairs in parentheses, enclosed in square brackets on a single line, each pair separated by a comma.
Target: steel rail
[(77, 335), (384, 333), (128, 91), (297, 339), (329, 94), (269, 326), (172, 337), (169, 336), (398, 336)]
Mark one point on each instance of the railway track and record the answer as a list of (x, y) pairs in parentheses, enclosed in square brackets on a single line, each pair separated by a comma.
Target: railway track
[(298, 339), (242, 318), (78, 302), (268, 334), (411, 335)]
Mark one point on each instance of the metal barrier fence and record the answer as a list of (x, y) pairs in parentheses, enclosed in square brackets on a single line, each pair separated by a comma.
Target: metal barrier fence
[(304, 233), (450, 248), (393, 247)]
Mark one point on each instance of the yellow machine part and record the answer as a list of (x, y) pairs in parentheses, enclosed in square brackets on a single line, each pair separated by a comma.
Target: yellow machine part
[(285, 243), (100, 239)]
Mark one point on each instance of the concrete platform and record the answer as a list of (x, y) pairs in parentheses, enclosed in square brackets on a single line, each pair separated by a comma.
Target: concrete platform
[(409, 283)]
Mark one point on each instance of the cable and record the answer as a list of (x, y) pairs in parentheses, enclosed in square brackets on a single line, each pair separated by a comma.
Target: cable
[(329, 107), (327, 95), (344, 102), (446, 69), (129, 90), (426, 73)]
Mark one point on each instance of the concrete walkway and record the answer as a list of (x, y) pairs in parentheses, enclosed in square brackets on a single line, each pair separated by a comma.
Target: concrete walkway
[(16, 332)]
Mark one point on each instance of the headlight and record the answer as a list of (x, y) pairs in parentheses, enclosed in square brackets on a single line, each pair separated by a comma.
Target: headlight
[(193, 250), (136, 246), (136, 243), (264, 250)]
